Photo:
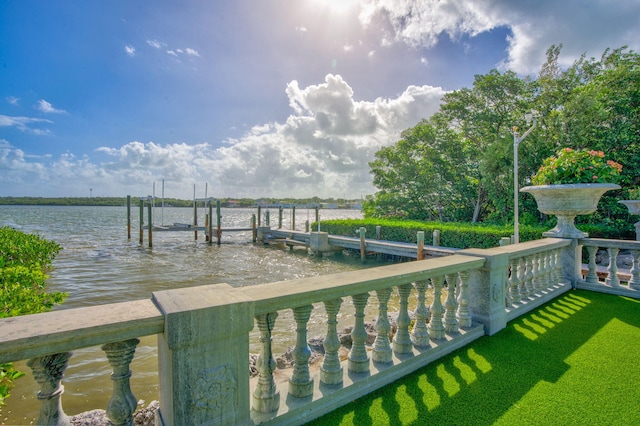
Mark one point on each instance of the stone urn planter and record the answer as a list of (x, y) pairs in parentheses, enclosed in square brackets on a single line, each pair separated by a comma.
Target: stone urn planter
[(566, 202), (634, 208)]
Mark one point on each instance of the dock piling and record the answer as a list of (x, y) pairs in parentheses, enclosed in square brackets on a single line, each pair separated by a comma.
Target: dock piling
[(150, 213), (363, 253), (128, 217), (218, 221), (420, 240), (141, 204)]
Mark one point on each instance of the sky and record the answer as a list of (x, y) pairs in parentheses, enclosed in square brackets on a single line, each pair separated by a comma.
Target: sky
[(253, 98)]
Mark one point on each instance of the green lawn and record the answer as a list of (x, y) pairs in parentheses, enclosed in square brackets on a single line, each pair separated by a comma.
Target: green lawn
[(574, 361)]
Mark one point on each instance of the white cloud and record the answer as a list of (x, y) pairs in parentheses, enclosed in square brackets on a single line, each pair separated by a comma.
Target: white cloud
[(25, 124), (131, 51), (155, 44), (13, 100), (323, 148), (581, 27), (191, 52), (47, 108)]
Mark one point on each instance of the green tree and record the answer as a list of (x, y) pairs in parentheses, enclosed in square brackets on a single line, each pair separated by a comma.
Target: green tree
[(22, 285), (593, 104)]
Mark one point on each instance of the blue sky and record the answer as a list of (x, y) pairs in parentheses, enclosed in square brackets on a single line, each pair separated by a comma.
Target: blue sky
[(268, 98)]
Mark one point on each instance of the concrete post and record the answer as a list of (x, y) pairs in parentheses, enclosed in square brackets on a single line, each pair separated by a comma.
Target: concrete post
[(486, 290), (261, 232), (319, 243), (203, 355)]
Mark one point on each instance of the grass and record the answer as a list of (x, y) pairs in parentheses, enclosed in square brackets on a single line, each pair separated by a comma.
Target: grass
[(573, 361)]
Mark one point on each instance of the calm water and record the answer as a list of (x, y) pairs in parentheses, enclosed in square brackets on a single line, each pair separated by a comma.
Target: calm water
[(98, 265)]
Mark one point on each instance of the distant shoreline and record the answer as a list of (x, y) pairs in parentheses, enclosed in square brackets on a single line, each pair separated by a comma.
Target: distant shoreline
[(173, 202)]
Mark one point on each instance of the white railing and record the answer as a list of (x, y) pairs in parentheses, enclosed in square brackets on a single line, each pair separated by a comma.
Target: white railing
[(610, 278), (203, 334)]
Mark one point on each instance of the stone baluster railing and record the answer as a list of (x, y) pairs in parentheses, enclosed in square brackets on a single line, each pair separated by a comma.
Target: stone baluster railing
[(203, 344), (436, 326), (402, 339), (451, 305), (48, 371), (420, 333), (266, 398), (122, 403), (301, 383), (618, 281), (358, 357), (382, 346), (331, 370)]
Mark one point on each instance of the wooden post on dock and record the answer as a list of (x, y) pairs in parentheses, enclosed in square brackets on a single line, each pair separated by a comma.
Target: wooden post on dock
[(267, 218), (195, 219), (259, 215), (363, 253), (210, 222), (293, 218), (150, 213), (318, 217), (378, 232), (420, 238), (218, 220), (141, 220), (280, 217), (128, 217), (254, 228), (436, 237)]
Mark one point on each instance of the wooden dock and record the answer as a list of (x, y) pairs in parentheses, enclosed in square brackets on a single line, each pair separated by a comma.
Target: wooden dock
[(371, 246)]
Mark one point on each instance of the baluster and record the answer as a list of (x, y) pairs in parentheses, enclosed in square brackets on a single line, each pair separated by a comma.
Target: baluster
[(358, 358), (301, 383), (265, 397), (402, 340), (382, 347), (122, 403), (464, 314), (514, 283), (612, 269), (451, 305), (436, 329), (553, 268), (548, 268), (420, 334), (537, 272), (558, 266), (634, 282), (529, 261), (48, 371), (331, 370), (523, 289), (592, 275)]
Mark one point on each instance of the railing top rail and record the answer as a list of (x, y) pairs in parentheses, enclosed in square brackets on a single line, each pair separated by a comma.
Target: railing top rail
[(304, 291), (35, 335), (607, 243), (526, 248)]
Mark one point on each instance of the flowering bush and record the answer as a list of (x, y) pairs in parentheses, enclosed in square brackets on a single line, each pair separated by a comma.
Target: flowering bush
[(577, 166)]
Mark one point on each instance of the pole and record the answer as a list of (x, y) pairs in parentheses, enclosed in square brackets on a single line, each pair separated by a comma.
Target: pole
[(195, 214), (141, 220), (516, 216), (149, 210), (128, 217), (162, 208), (219, 220), (293, 218), (516, 142)]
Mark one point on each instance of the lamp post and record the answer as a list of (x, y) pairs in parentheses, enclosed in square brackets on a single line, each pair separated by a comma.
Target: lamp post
[(532, 116)]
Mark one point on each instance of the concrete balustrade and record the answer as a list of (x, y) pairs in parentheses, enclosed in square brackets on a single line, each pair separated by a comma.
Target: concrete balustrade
[(203, 333), (610, 278)]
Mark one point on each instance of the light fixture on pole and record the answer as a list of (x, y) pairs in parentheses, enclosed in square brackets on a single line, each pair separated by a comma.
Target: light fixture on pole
[(529, 117)]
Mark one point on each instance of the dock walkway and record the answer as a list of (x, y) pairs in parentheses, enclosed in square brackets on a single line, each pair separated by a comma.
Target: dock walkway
[(392, 248)]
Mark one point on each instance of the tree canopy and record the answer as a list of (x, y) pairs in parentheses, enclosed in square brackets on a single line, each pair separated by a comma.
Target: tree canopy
[(458, 164)]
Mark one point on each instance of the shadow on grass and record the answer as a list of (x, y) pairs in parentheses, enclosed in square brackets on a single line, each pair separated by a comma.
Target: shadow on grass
[(481, 383)]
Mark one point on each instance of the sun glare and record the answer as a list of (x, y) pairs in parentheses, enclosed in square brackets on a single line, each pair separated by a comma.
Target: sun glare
[(336, 6)]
